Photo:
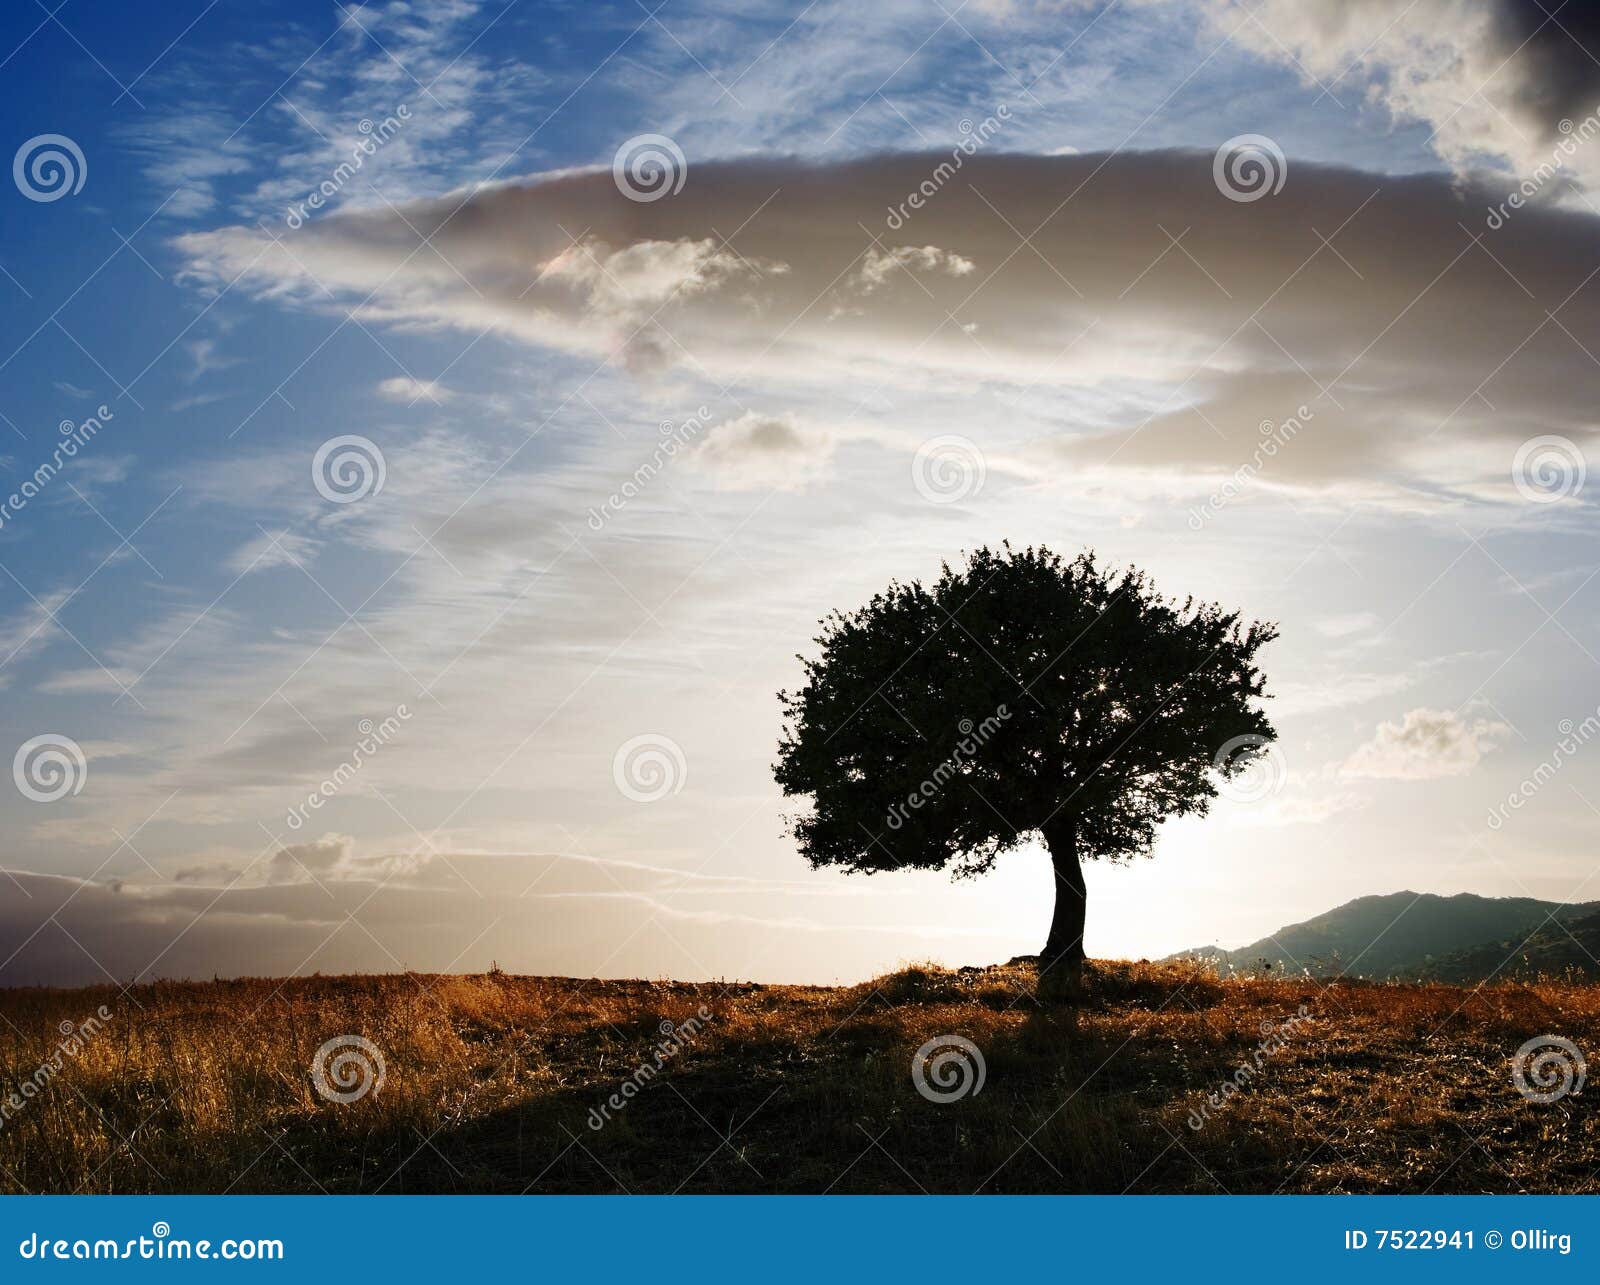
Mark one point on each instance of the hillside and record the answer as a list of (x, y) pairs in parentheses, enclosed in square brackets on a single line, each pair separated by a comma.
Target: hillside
[(1404, 935), (1563, 947), (493, 1083)]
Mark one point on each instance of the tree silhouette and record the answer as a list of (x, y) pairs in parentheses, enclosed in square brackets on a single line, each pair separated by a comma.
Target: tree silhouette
[(1021, 694)]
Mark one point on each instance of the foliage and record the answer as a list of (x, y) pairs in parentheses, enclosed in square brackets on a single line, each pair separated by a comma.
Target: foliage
[(942, 725)]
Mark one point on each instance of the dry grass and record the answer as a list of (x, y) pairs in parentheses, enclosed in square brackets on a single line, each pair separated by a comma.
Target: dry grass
[(490, 1081)]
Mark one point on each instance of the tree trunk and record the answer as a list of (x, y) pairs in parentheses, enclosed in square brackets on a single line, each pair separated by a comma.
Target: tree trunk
[(1061, 962)]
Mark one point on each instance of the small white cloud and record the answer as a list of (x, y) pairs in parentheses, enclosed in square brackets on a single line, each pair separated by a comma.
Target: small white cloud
[(759, 451), (203, 354), (879, 265), (272, 549), (404, 389), (101, 470), (332, 859), (95, 751), (200, 399), (1424, 745), (90, 678), (647, 274)]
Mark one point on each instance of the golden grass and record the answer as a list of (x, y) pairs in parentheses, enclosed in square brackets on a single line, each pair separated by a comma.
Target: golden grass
[(490, 1081)]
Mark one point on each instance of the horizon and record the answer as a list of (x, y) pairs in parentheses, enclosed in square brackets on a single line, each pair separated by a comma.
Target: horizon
[(474, 412), (90, 978)]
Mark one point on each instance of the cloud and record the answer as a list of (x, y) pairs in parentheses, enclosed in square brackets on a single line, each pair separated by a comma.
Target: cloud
[(278, 548), (878, 266), (1555, 55), (405, 389), (454, 914), (100, 470), (1144, 358), (1336, 690), (760, 452), (187, 155), (333, 859), (311, 862), (1493, 79), (1424, 745), (211, 873), (88, 679), (204, 358), (199, 399), (32, 626), (619, 292), (209, 139)]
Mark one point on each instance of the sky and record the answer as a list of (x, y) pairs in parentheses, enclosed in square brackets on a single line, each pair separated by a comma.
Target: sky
[(430, 432)]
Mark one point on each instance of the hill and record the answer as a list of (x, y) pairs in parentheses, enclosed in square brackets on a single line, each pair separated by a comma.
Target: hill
[(1167, 1079), (1562, 947), (1404, 935)]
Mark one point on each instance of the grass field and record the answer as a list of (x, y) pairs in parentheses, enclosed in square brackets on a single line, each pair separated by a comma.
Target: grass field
[(495, 1083)]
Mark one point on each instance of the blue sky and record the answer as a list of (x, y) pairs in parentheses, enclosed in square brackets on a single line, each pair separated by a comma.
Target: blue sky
[(212, 632)]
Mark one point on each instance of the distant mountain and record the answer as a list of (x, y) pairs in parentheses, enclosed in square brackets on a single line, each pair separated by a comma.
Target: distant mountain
[(1562, 947), (1417, 935)]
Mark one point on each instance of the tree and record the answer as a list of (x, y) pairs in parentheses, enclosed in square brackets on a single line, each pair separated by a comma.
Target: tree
[(1021, 694)]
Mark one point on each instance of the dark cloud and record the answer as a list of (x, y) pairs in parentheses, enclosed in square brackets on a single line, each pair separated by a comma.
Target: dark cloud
[(1553, 51), (210, 872), (317, 860), (1395, 308), (549, 913)]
